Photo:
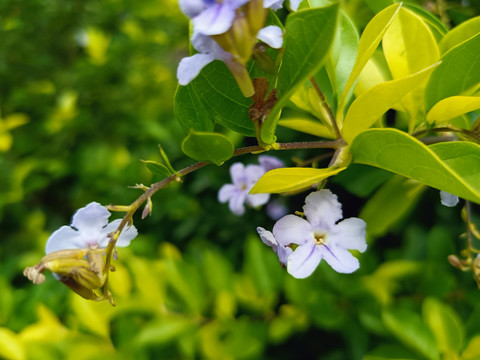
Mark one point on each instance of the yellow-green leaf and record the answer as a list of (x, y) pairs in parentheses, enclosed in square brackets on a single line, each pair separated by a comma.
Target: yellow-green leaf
[(10, 345), (370, 106), (452, 107), (291, 179), (371, 37), (472, 351), (460, 33), (308, 126), (409, 45)]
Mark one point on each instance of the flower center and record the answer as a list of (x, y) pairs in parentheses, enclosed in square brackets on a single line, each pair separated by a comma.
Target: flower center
[(319, 238)]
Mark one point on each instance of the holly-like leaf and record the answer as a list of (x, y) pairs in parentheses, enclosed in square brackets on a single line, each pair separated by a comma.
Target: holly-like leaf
[(449, 166), (209, 147), (308, 38), (291, 179)]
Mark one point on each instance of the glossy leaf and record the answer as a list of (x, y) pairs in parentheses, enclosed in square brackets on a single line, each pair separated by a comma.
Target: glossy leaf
[(157, 168), (370, 106), (452, 107), (308, 126), (395, 198), (459, 34), (210, 147), (434, 23), (291, 179), (371, 37), (189, 110), (445, 324), (308, 38), (452, 166), (457, 73), (408, 327), (378, 5)]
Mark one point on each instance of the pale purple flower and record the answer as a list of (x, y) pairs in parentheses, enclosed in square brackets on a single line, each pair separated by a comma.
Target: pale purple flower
[(268, 239), (268, 162), (89, 229), (276, 210), (448, 199), (237, 193), (320, 237)]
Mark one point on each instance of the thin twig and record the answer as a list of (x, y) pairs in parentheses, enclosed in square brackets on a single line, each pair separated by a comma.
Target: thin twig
[(327, 107)]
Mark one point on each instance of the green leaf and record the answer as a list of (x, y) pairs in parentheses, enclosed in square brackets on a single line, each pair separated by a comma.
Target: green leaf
[(189, 110), (457, 74), (210, 147), (452, 166), (378, 5), (452, 107), (309, 36), (221, 98), (459, 34), (157, 169), (371, 37), (164, 331), (408, 327), (291, 179), (396, 198), (472, 351), (434, 23), (446, 325), (308, 126), (371, 105)]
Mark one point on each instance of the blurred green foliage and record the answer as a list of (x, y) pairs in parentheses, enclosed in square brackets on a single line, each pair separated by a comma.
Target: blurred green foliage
[(86, 91)]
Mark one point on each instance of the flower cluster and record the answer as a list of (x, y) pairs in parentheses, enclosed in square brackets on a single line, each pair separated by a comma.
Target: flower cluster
[(228, 31), (243, 179), (302, 243)]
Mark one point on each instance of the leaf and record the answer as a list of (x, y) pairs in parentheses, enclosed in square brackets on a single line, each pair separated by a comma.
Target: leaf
[(472, 351), (452, 107), (10, 345), (189, 110), (460, 33), (371, 37), (221, 98), (452, 166), (168, 329), (308, 38), (396, 198), (378, 5), (371, 105), (434, 23), (308, 126), (446, 325), (457, 73), (409, 45), (209, 147), (291, 179), (407, 326), (157, 169)]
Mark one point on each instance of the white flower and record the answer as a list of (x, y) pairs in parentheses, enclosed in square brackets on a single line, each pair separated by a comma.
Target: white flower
[(319, 236), (448, 199), (89, 229), (268, 239), (237, 193)]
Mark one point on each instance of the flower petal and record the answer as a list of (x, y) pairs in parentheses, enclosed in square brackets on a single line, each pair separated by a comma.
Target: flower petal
[(63, 239), (93, 216), (236, 203), (192, 8), (273, 4), (190, 67), (270, 162), (272, 36), (339, 259), (448, 199), (237, 173), (257, 199), (215, 20), (322, 209), (267, 237), (293, 229), (349, 234), (254, 173), (283, 253), (276, 210), (294, 4), (126, 236), (226, 192), (304, 260)]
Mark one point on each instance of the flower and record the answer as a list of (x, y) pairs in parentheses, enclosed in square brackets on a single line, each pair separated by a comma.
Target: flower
[(243, 179), (319, 236), (237, 193), (448, 199), (89, 229), (268, 239)]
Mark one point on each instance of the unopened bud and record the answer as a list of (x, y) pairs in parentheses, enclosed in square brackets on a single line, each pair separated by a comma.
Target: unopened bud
[(455, 262), (263, 60)]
